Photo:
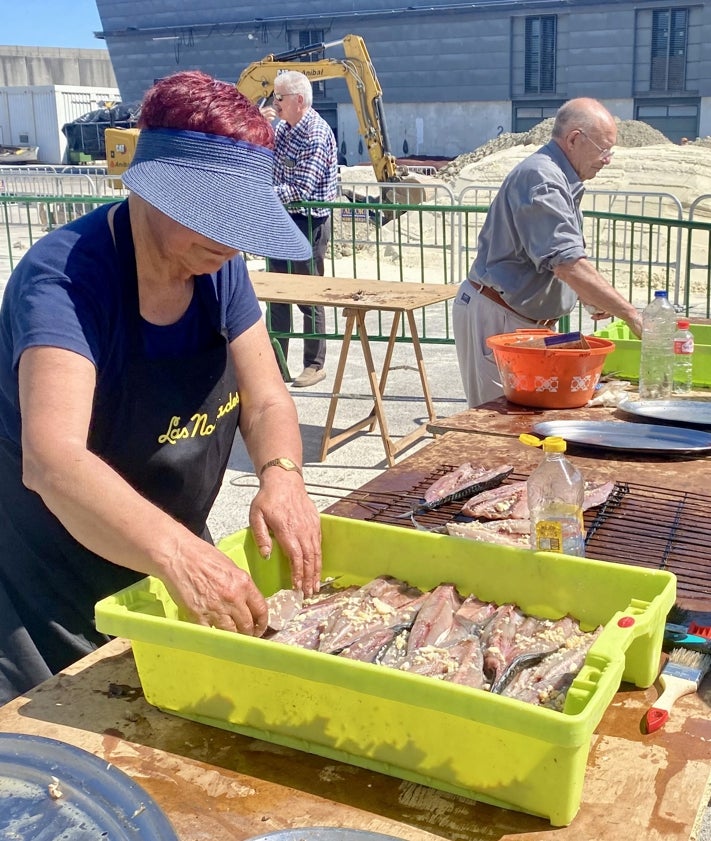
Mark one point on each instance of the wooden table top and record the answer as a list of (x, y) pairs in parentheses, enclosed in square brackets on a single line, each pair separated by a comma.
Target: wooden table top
[(506, 421), (214, 784), (500, 417), (354, 293)]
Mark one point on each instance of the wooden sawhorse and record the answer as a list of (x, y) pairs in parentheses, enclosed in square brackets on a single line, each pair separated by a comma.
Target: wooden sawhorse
[(356, 297)]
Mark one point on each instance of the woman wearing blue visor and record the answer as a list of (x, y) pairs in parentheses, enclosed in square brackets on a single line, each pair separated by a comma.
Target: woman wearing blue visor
[(132, 348)]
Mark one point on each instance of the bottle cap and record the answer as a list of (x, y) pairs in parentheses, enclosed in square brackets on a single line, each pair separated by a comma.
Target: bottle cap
[(660, 293), (551, 444), (683, 324)]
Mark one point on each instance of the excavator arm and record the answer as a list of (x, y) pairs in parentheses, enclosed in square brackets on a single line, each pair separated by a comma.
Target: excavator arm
[(356, 68), (257, 84)]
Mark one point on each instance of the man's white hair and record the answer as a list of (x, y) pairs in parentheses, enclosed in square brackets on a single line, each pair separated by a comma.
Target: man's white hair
[(292, 81)]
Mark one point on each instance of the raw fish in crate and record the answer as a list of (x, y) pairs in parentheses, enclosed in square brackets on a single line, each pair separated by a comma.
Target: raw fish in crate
[(439, 634)]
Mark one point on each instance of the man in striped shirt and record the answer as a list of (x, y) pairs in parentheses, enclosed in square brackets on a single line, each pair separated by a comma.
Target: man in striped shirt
[(305, 169)]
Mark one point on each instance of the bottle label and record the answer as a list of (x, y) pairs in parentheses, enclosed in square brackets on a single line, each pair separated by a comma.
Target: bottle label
[(684, 346), (549, 535)]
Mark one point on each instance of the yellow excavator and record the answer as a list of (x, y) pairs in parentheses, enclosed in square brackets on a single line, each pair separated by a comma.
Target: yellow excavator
[(257, 84)]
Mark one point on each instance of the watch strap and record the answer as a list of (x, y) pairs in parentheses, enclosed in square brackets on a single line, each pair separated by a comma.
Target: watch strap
[(284, 463)]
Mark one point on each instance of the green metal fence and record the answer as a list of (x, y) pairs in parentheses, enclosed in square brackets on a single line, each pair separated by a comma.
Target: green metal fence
[(435, 242)]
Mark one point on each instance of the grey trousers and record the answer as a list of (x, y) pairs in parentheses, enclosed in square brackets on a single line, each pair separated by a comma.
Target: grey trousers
[(474, 319), (318, 231)]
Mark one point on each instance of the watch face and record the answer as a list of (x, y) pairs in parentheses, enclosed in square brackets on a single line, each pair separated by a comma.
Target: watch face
[(287, 463)]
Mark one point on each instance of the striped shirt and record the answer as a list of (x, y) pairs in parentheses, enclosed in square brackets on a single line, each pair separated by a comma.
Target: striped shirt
[(305, 162)]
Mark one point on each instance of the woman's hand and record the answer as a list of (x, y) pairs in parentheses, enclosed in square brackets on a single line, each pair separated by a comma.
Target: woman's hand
[(282, 508), (211, 590)]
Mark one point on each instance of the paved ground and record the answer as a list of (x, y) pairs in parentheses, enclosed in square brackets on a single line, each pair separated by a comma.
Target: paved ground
[(360, 460)]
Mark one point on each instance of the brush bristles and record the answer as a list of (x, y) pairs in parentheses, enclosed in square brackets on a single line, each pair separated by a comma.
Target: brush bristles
[(678, 615), (691, 659)]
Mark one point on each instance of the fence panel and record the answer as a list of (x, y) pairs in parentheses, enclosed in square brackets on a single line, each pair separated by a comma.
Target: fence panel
[(24, 219), (431, 239)]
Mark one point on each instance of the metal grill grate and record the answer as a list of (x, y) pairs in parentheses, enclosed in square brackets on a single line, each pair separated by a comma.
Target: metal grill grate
[(640, 525)]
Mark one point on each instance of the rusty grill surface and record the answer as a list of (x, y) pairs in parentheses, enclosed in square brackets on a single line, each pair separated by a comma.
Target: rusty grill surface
[(639, 525)]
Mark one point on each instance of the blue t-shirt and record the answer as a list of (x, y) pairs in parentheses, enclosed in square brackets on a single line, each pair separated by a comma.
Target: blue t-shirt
[(68, 291)]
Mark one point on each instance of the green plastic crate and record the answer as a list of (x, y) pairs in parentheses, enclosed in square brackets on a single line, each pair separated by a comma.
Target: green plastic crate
[(623, 362), (466, 741)]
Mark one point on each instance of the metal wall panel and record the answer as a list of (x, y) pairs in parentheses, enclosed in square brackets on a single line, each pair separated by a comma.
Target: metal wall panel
[(600, 58), (449, 58)]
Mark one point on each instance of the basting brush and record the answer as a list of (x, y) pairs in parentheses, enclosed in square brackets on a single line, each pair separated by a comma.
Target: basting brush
[(681, 636), (682, 675)]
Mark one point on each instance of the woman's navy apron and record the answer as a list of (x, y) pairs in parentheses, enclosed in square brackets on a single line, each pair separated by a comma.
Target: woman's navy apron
[(167, 428)]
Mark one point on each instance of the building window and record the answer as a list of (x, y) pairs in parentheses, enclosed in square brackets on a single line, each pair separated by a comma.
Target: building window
[(307, 37), (527, 114), (669, 28), (540, 54)]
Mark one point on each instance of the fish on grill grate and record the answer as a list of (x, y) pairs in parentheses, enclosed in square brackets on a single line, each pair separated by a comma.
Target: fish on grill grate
[(459, 480), (460, 484), (511, 501), (512, 532)]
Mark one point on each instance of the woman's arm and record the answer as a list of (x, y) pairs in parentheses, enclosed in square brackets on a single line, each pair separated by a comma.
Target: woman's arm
[(104, 513), (270, 429)]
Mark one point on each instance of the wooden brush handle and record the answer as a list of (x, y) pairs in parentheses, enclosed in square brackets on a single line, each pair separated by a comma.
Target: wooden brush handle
[(674, 688)]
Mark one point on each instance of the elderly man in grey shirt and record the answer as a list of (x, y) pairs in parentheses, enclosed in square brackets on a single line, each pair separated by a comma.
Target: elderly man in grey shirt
[(531, 265)]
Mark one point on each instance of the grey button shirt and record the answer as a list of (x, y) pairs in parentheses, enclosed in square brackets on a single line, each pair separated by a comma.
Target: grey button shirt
[(533, 225)]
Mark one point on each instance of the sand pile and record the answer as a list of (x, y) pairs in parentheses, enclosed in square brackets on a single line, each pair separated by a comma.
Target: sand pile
[(632, 133), (645, 161)]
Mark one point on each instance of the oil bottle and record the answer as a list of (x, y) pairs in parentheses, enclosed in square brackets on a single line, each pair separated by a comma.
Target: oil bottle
[(555, 492)]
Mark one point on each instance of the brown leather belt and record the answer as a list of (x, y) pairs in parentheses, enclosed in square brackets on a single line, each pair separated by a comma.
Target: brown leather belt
[(494, 296)]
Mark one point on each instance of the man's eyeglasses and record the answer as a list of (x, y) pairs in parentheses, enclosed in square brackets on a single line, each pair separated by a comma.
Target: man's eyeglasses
[(605, 154), (280, 96)]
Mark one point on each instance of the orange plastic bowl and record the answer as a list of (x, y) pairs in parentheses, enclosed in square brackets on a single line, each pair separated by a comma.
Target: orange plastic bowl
[(548, 378)]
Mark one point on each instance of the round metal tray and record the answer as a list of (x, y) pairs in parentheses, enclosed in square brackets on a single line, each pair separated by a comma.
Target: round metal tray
[(690, 412), (632, 437), (93, 799)]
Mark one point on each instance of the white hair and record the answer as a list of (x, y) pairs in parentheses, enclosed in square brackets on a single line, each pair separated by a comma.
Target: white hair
[(292, 81)]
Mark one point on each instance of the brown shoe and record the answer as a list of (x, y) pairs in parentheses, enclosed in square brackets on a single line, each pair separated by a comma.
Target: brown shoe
[(309, 376)]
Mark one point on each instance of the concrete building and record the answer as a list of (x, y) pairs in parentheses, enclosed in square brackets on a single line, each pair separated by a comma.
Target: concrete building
[(453, 74), (30, 66), (42, 88)]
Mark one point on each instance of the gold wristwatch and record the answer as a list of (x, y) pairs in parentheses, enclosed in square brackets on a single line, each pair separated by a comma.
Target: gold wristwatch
[(284, 463)]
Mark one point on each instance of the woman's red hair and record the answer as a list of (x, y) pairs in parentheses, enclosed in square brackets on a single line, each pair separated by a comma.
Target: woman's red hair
[(195, 101)]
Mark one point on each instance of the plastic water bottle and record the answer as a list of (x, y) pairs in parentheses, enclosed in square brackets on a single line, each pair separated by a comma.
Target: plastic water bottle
[(683, 357), (656, 368), (555, 501)]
